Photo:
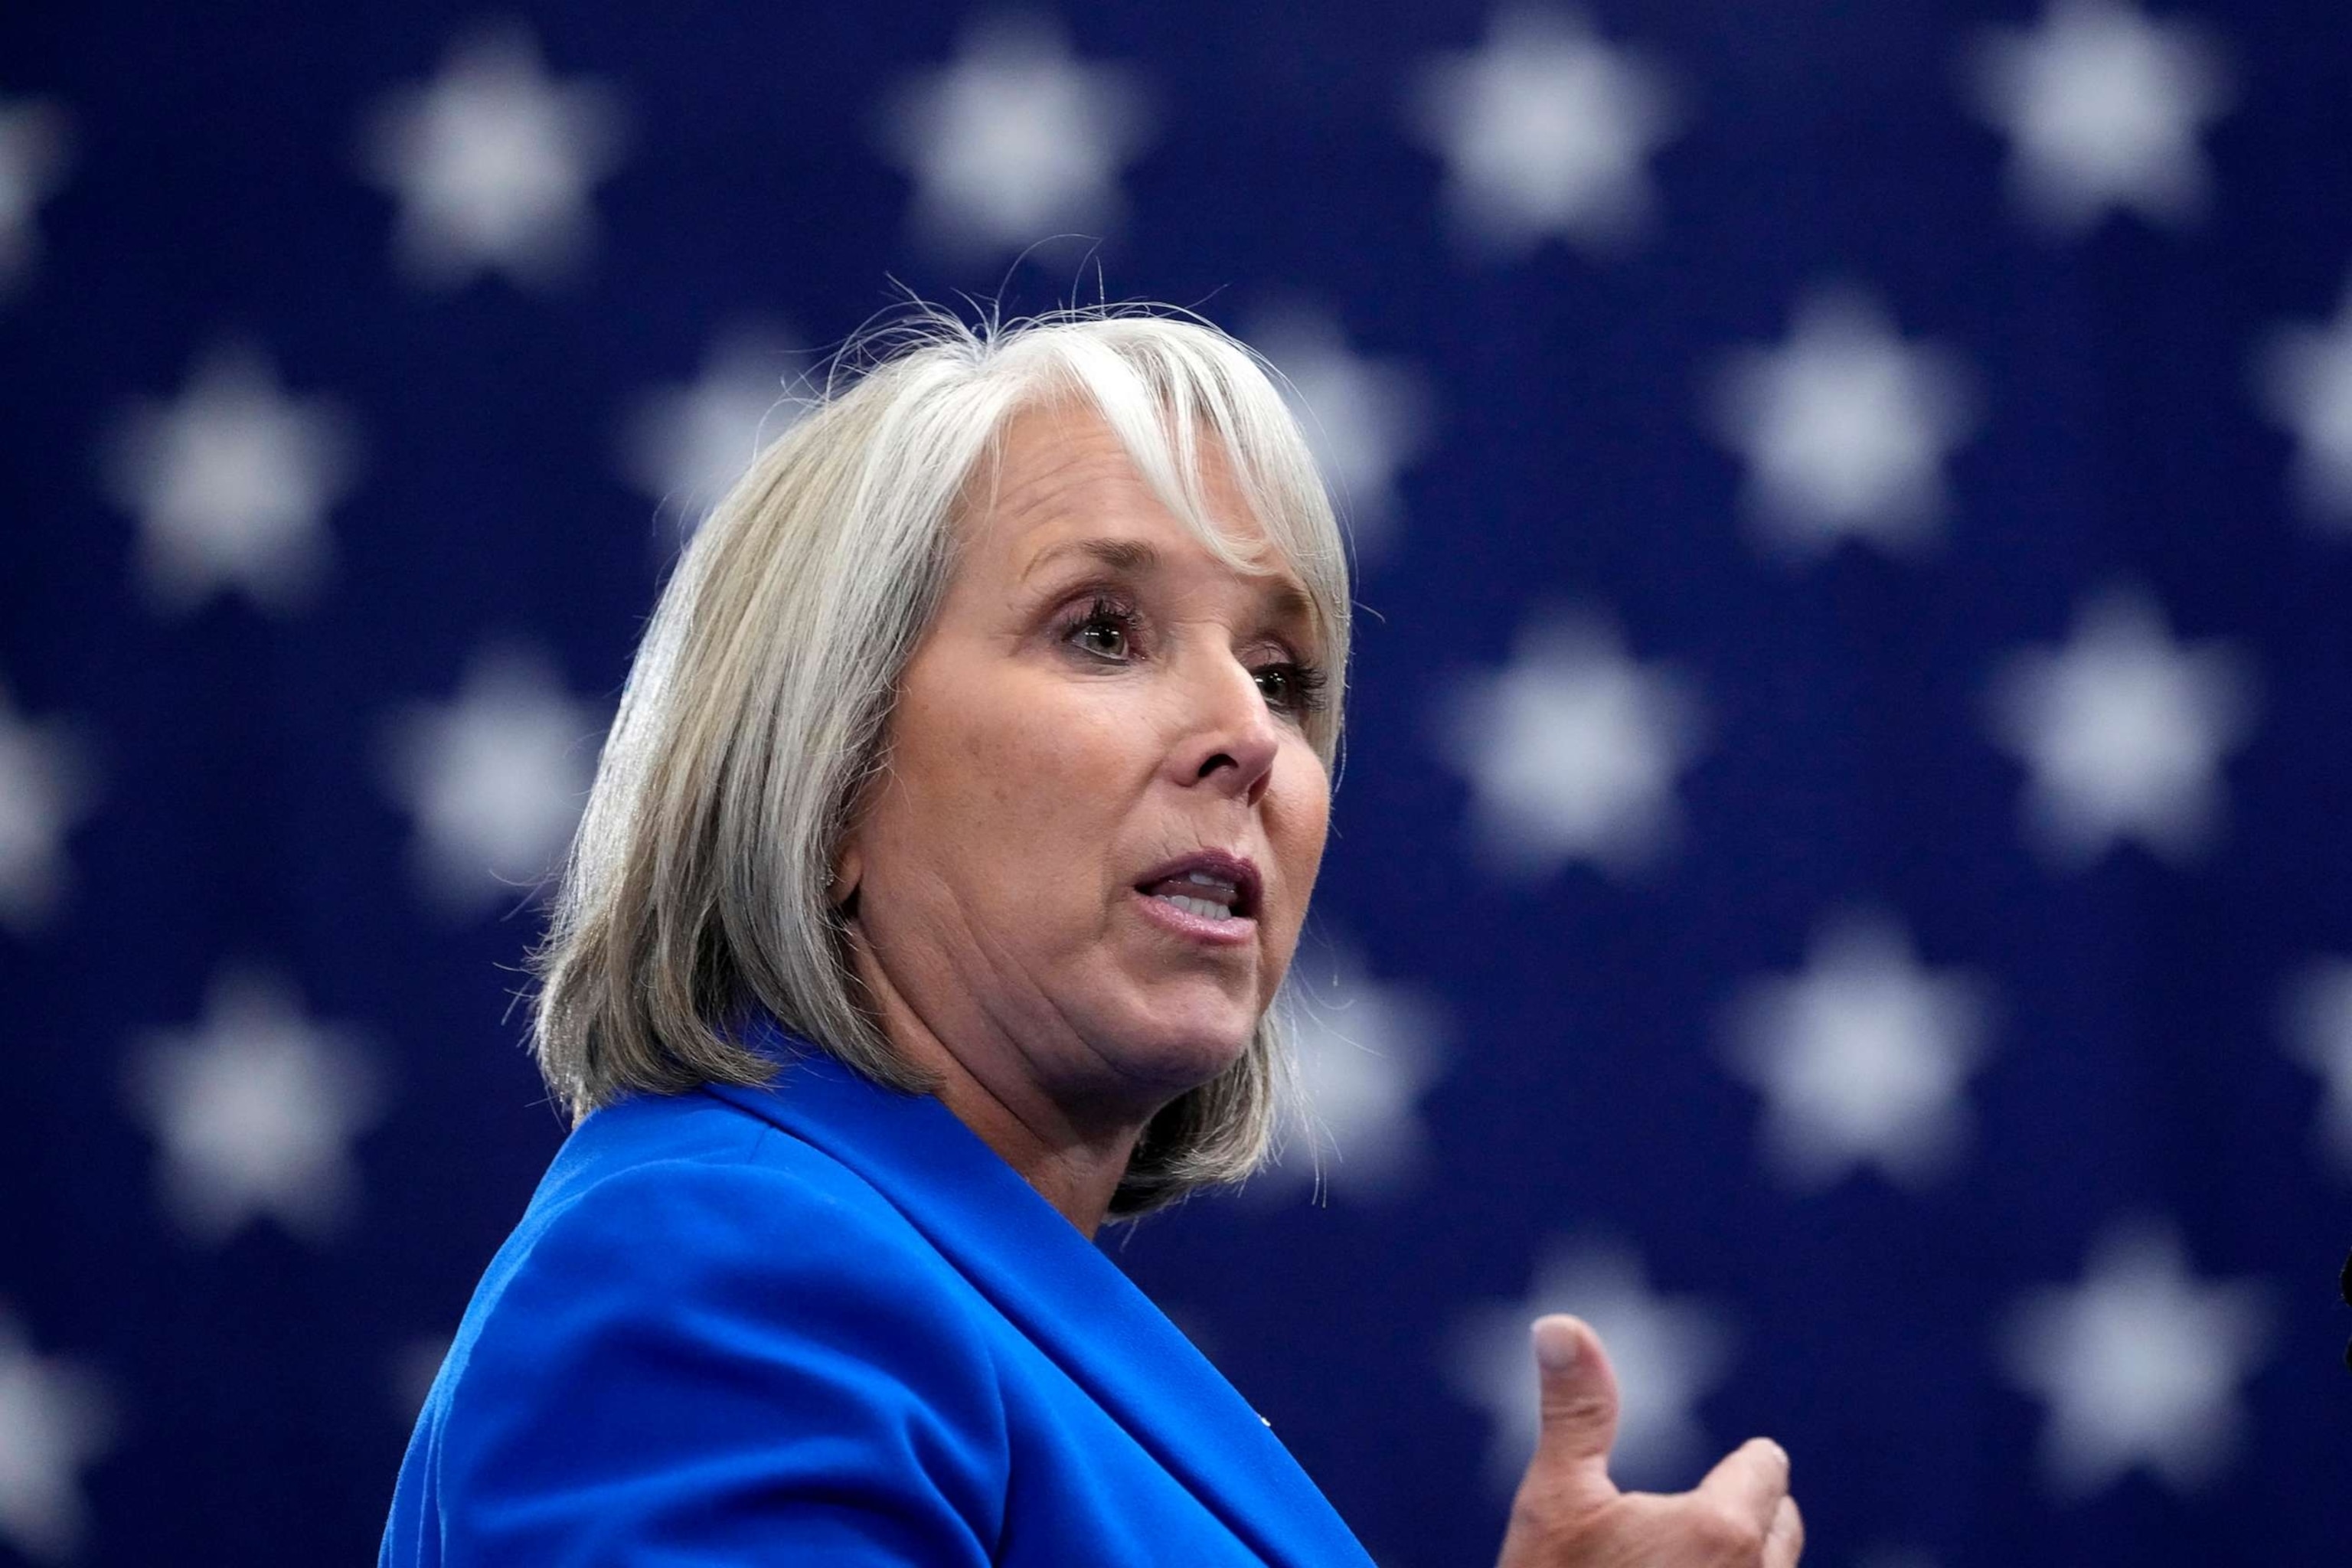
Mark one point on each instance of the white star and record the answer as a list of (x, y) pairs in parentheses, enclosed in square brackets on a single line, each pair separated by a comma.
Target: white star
[(493, 163), (1572, 752), (35, 142), (55, 1419), (1366, 1052), (1546, 130), (687, 445), (2124, 731), (2101, 107), (1016, 140), (2317, 1015), (256, 1110), (1668, 1353), (2139, 1365), (1845, 428), (1366, 419), (1861, 1058), (232, 484), (496, 779), (2304, 377), (45, 788)]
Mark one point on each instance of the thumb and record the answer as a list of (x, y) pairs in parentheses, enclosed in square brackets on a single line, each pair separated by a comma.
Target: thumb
[(1577, 1408)]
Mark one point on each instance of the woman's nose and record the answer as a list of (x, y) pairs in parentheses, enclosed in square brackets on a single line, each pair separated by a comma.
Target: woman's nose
[(1230, 739)]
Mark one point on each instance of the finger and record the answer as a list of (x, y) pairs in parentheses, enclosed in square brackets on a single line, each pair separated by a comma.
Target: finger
[(1577, 1406), (1785, 1542), (1750, 1482)]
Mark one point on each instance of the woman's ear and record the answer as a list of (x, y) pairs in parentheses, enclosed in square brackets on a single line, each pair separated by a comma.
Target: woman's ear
[(841, 887)]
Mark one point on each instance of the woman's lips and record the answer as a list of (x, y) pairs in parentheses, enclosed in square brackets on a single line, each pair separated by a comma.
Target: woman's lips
[(1234, 931), (1238, 873)]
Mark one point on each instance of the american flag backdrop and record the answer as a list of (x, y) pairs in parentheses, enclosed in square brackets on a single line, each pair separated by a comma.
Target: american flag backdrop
[(1840, 875)]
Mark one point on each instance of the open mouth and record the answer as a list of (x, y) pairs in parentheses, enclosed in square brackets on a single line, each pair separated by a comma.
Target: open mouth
[(1209, 887)]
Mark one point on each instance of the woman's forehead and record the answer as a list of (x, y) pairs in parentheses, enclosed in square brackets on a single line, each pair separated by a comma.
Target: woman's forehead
[(1063, 484), (1054, 454)]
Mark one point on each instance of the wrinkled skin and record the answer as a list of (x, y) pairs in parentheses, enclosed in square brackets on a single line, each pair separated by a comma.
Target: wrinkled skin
[(1040, 765)]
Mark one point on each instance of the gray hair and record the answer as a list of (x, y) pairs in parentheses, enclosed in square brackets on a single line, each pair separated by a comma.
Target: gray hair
[(756, 713)]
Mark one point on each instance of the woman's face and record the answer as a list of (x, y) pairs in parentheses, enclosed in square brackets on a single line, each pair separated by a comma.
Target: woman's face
[(1099, 698)]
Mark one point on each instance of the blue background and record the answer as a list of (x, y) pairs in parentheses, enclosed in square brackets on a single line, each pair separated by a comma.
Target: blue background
[(2138, 1065)]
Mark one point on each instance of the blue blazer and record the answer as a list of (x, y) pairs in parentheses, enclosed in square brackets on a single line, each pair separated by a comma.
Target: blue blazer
[(824, 1322)]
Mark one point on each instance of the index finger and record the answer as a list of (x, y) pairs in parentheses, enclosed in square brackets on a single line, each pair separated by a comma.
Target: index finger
[(1785, 1543), (1749, 1482)]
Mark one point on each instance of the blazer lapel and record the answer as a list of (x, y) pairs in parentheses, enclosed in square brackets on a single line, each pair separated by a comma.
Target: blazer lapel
[(1053, 1284)]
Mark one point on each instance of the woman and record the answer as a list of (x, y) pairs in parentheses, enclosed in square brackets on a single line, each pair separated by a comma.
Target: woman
[(929, 910)]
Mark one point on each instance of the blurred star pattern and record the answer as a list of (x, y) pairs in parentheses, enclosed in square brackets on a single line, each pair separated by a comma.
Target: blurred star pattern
[(1839, 874)]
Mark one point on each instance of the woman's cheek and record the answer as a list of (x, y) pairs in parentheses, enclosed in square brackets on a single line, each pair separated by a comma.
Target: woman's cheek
[(1309, 804), (1047, 770), (1106, 732)]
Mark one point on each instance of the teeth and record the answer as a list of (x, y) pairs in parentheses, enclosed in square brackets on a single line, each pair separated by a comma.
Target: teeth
[(1205, 908), (1204, 879)]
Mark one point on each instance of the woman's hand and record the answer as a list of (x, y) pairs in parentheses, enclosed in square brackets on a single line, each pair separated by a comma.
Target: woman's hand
[(1570, 1514)]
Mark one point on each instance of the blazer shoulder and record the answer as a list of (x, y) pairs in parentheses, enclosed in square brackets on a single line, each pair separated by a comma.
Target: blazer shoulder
[(684, 1186), (704, 1319)]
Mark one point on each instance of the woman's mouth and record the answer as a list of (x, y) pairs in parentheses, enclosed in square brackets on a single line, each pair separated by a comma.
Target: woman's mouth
[(1209, 896)]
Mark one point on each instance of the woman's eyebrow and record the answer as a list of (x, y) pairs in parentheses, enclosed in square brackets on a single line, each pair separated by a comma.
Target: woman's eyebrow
[(1286, 601), (1129, 556)]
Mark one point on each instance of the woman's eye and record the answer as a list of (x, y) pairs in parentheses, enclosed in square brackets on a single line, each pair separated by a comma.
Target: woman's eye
[(1105, 630), (1291, 687)]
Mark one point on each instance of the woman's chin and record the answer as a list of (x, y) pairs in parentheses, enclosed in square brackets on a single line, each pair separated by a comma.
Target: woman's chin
[(1172, 1055)]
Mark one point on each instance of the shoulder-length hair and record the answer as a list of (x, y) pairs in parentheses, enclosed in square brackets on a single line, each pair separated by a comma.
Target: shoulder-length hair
[(758, 708)]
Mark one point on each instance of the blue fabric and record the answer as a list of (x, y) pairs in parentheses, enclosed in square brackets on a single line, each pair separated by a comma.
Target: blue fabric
[(824, 1322)]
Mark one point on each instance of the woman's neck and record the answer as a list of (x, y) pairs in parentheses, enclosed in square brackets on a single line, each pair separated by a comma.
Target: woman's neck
[(1074, 1163)]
